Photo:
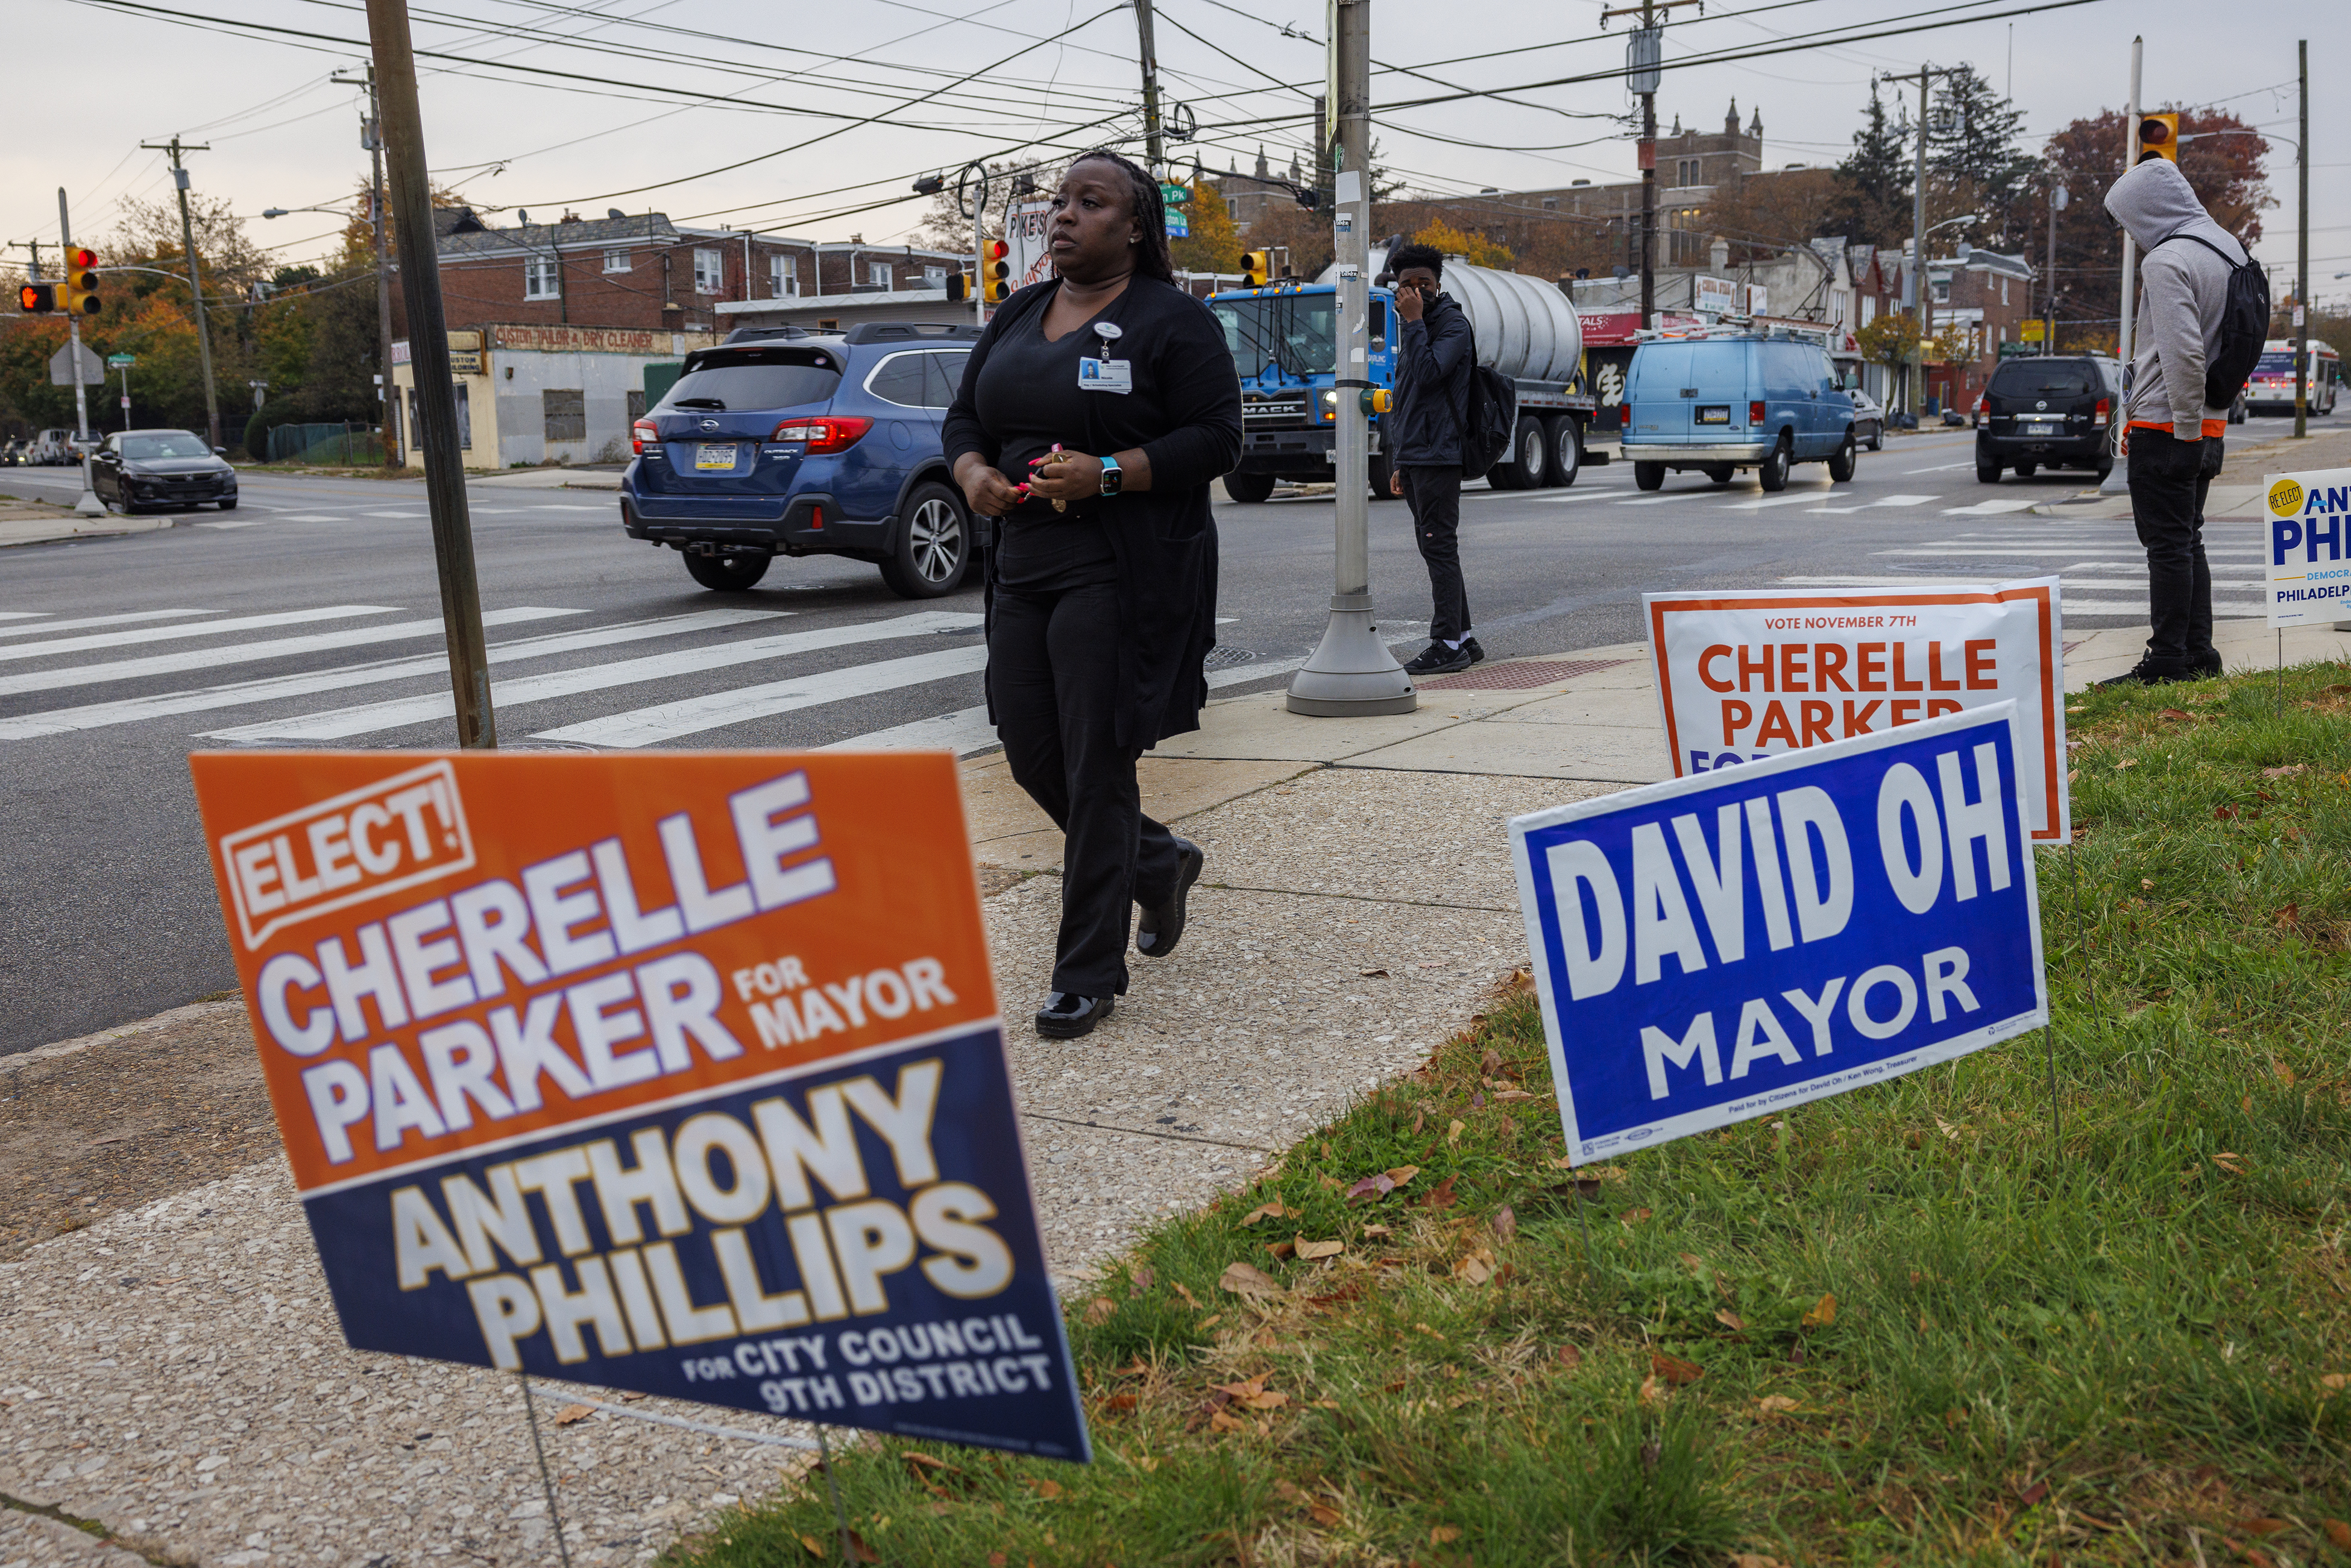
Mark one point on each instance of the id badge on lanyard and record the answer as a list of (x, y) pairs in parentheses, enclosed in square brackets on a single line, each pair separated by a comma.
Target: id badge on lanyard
[(1106, 374)]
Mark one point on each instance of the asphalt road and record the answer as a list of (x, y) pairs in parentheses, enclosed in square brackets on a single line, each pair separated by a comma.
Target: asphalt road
[(309, 616)]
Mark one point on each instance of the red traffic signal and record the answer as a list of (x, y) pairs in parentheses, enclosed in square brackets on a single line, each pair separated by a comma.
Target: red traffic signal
[(78, 295), (37, 299)]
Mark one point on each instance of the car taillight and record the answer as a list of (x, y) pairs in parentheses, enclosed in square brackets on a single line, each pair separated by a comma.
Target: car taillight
[(1754, 414), (1983, 404), (2104, 404), (823, 435), (641, 432)]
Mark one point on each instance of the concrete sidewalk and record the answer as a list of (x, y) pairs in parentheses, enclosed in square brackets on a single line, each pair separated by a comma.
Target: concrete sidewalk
[(31, 522), (174, 1373)]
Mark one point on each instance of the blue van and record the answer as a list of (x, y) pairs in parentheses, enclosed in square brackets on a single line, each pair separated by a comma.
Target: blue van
[(780, 442), (1738, 401)]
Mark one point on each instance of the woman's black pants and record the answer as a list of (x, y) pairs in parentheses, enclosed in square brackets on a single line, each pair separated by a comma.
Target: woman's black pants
[(1052, 675)]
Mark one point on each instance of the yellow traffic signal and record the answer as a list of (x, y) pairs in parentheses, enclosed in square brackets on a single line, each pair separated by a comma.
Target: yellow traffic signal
[(37, 299), (77, 293), (2159, 137), (995, 271), (1256, 269)]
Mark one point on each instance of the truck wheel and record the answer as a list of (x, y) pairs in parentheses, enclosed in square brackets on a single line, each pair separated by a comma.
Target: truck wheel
[(934, 546), (1523, 468), (1773, 470), (1564, 445), (1841, 462), (1249, 487), (1649, 475), (1379, 475), (727, 573)]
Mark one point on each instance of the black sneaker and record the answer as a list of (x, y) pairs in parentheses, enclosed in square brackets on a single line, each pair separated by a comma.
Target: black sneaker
[(1436, 659), (1161, 926), (1470, 646), (1066, 1015), (2204, 660), (2151, 671)]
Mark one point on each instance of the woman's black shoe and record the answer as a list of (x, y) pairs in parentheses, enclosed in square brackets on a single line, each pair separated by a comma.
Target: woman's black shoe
[(1161, 926), (1436, 659), (1066, 1015)]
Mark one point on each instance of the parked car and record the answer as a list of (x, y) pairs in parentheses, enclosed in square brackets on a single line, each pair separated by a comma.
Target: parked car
[(1868, 417), (1737, 401), (796, 443), (2051, 411), (136, 469)]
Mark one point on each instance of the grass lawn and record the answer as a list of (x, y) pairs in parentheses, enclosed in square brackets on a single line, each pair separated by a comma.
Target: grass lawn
[(1902, 1326)]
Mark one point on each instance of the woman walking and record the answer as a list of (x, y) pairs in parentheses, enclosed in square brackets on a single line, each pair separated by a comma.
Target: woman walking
[(1095, 410)]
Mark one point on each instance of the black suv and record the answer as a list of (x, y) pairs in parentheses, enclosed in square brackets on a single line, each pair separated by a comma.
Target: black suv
[(2049, 411)]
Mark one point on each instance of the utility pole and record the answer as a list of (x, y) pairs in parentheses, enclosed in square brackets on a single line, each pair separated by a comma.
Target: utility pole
[(1352, 671), (2301, 259), (89, 505), (1643, 64), (2117, 479), (1153, 138), (401, 131), (1915, 277), (195, 279), (2058, 196), (372, 138)]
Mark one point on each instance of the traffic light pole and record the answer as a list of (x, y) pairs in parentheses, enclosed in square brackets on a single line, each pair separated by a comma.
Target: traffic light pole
[(89, 505), (195, 279), (1352, 671), (2117, 479), (2301, 259), (401, 129)]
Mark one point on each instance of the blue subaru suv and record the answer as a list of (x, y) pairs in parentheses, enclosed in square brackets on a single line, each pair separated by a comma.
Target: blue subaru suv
[(780, 442)]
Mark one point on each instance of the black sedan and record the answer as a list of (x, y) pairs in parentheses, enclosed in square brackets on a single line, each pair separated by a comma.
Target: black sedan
[(141, 469)]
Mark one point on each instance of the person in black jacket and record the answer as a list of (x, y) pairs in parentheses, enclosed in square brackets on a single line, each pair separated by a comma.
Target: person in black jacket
[(1094, 411), (1424, 437)]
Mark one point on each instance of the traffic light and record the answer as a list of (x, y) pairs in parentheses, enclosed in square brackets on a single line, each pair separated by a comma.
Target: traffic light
[(995, 271), (1256, 269), (77, 293), (2159, 137), (959, 289), (37, 299)]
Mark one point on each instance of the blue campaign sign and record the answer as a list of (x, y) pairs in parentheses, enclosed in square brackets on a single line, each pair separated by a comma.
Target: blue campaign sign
[(1735, 943)]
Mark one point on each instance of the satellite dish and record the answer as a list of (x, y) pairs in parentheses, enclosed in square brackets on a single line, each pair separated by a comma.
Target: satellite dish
[(614, 213), (522, 215)]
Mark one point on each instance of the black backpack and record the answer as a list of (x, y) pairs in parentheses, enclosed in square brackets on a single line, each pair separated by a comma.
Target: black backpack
[(2244, 325), (1493, 414)]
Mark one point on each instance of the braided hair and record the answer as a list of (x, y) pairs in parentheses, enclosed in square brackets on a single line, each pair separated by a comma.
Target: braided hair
[(1150, 211)]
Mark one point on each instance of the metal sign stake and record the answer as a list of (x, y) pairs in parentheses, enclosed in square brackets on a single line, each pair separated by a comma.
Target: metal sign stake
[(545, 1476), (833, 1485)]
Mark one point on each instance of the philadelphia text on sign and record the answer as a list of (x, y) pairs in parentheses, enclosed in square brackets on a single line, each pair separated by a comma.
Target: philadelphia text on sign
[(2308, 560)]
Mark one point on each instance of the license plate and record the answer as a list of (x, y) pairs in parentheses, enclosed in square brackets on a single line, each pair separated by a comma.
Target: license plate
[(1714, 415), (2040, 430), (714, 456)]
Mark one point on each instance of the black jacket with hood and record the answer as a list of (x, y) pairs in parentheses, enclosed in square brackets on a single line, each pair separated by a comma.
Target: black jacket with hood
[(1432, 390), (1185, 415)]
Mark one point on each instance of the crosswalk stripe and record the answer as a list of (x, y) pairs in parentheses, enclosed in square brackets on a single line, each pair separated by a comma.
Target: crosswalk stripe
[(22, 615), (279, 688), (1904, 500), (404, 514), (372, 717), (692, 715), (80, 622), (192, 629), (1989, 508), (242, 523), (202, 659), (1757, 505)]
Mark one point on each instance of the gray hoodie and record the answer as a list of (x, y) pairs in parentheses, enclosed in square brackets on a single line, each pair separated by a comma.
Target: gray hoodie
[(2182, 288)]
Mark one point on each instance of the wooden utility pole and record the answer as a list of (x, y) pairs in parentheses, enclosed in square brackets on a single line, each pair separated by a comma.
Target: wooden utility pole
[(2301, 258), (373, 141), (1643, 64), (401, 131), (195, 280), (1154, 138)]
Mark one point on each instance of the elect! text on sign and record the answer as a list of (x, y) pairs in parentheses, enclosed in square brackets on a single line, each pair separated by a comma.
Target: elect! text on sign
[(679, 1074)]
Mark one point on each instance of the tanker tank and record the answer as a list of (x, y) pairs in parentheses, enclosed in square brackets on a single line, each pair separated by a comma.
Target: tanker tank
[(1526, 328)]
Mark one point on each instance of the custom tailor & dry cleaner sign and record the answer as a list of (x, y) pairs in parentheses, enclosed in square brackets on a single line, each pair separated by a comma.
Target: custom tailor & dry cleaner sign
[(1732, 943), (2308, 558), (1746, 675), (679, 1074)]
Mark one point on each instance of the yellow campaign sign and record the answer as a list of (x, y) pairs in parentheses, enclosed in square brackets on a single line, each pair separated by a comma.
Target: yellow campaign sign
[(2032, 330)]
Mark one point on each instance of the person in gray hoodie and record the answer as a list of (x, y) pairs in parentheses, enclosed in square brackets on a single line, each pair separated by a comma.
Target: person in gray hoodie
[(2170, 437)]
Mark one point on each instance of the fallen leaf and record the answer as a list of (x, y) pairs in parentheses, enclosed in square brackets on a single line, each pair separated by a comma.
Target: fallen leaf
[(1220, 1422), (1476, 1103), (2335, 1382), (1492, 1060), (1505, 1096), (2231, 1163), (1568, 1358), (2260, 1526), (2173, 713), (1211, 1320), (572, 1413), (1453, 1134), (2033, 1494), (2288, 771), (1675, 1369), (1693, 1262), (1043, 1487), (1505, 1223), (1242, 1280), (1652, 1391), (1375, 1185), (1431, 1332), (1190, 1299), (1120, 1401), (2338, 1532), (2077, 710), (1401, 1174), (1775, 1405), (1140, 1279), (815, 1548), (1100, 1310), (1265, 1211), (1438, 1197), (1822, 1314), (1324, 1514), (2284, 1073), (1730, 1319), (923, 1466), (2072, 776), (2146, 884), (1371, 1231), (1376, 974), (1756, 1559), (1476, 1268), (1948, 1130), (1281, 1248), (1253, 1393), (2126, 762), (1633, 1217), (861, 1552), (1442, 1533), (1309, 1251), (2224, 813)]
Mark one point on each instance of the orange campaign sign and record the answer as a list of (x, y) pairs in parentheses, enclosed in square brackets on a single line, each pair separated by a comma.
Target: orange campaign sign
[(675, 1072)]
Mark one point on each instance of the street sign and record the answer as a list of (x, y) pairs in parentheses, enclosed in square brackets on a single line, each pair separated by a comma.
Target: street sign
[(674, 1072), (1174, 194), (121, 361), (2032, 330), (2309, 563), (1732, 944), (1178, 226), (61, 366)]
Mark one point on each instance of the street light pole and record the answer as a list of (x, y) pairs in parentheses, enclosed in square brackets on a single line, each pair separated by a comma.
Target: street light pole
[(373, 141), (2058, 196), (401, 131), (195, 279), (2117, 479), (2301, 259), (87, 505), (1352, 671)]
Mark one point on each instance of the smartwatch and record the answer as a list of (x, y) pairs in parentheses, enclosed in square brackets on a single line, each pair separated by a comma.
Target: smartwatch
[(1112, 479)]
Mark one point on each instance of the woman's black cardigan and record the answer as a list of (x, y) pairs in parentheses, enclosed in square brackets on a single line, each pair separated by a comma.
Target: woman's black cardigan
[(1185, 414)]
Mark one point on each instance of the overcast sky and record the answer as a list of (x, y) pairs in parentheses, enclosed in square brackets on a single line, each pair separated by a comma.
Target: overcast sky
[(627, 115)]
